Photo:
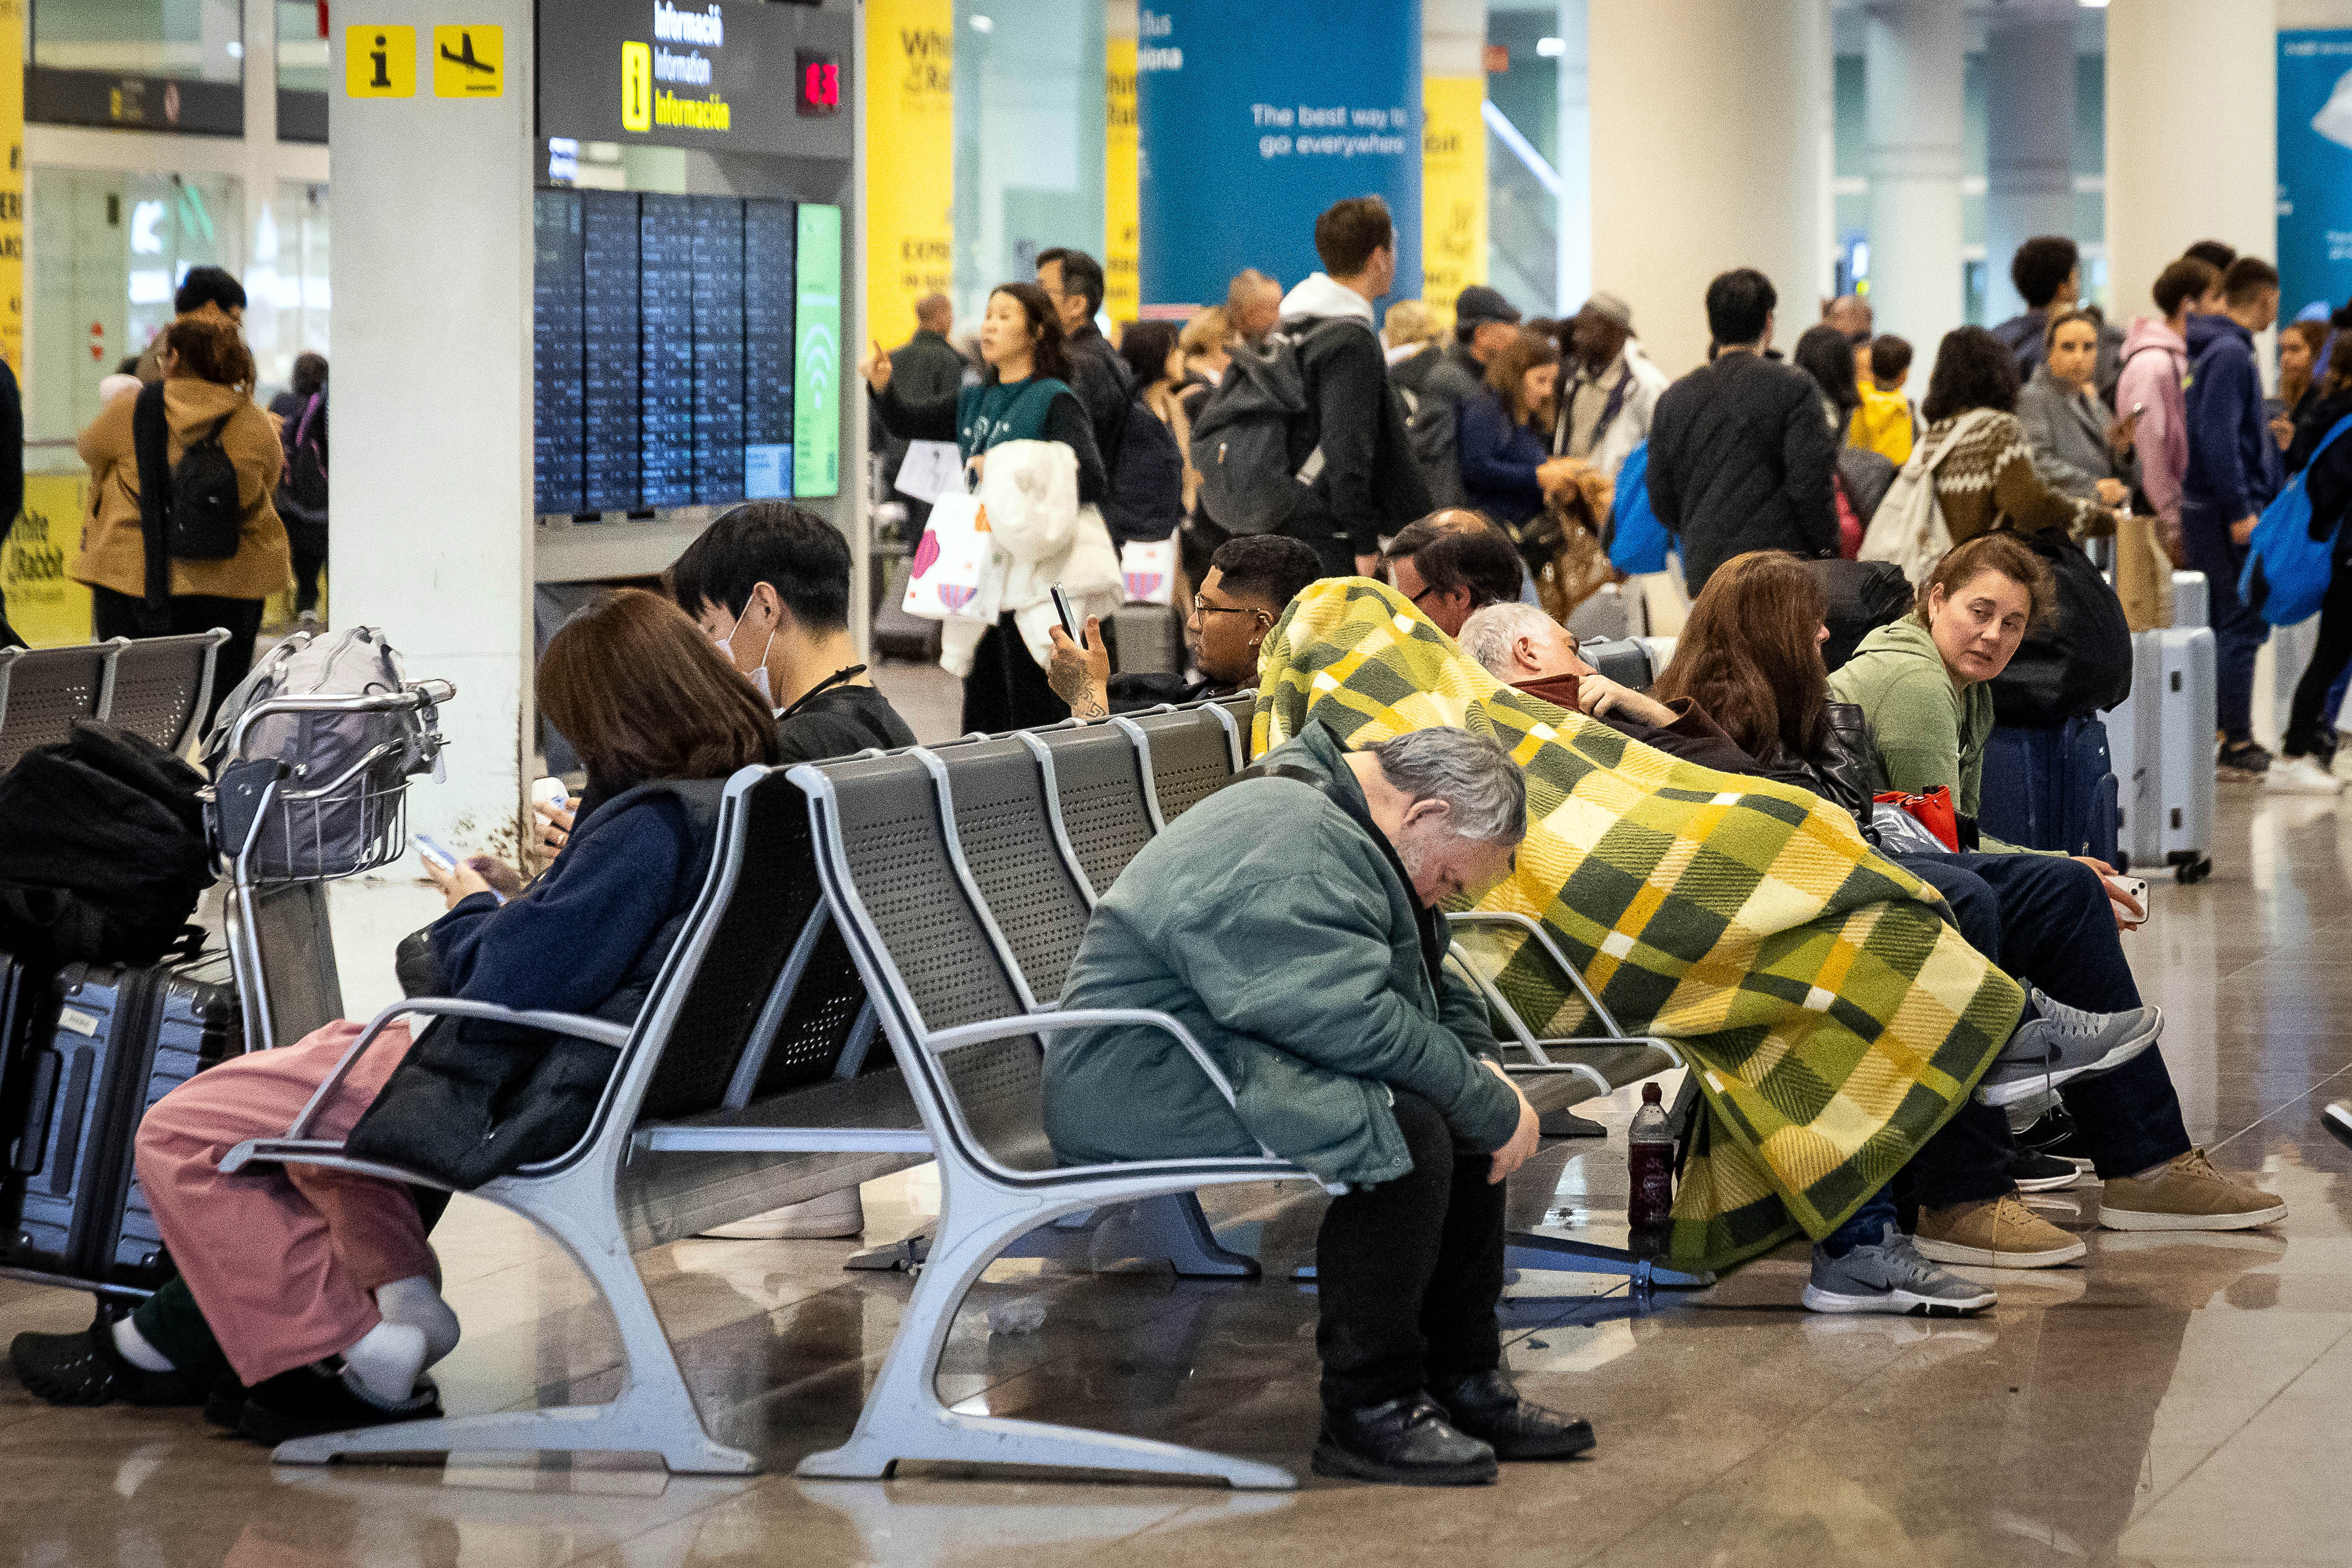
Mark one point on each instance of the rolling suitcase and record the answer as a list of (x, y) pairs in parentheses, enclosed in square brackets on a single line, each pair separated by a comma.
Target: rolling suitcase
[(2051, 789), (120, 1040), (2174, 692)]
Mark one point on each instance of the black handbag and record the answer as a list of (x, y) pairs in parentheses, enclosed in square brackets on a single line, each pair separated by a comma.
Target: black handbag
[(2079, 660)]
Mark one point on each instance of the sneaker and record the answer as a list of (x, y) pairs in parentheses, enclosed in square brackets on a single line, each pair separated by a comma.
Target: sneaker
[(2188, 1194), (2244, 760), (313, 1400), (1405, 1442), (2055, 1132), (2001, 1234), (2300, 776), (834, 1217), (2063, 1044), (1891, 1276), (2337, 1120), (86, 1368), (2033, 1171), (1485, 1405)]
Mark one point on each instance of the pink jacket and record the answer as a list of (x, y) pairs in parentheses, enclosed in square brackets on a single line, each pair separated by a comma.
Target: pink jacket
[(2154, 380)]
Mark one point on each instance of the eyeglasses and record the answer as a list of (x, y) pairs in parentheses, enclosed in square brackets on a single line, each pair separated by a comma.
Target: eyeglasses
[(1203, 607)]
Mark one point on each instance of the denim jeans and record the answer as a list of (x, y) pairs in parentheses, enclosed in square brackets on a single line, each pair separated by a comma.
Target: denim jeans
[(2047, 921)]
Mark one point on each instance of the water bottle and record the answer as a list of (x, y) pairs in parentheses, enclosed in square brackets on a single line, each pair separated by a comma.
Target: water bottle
[(1650, 1156)]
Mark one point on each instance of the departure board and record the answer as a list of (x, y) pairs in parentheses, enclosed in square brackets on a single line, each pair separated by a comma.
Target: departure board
[(662, 349), (557, 372), (609, 330)]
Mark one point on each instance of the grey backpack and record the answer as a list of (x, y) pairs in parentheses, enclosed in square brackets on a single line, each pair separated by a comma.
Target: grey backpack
[(1243, 440), (340, 793)]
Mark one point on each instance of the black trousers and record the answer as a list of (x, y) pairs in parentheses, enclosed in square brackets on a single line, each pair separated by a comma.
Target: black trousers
[(1408, 1272), (1006, 690), (307, 541), (116, 614), (2309, 732)]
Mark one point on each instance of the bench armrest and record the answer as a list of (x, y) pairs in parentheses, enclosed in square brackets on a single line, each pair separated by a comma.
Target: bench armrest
[(1053, 1020), (571, 1024)]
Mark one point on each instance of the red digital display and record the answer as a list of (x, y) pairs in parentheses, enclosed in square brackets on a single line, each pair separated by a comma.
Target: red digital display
[(820, 85)]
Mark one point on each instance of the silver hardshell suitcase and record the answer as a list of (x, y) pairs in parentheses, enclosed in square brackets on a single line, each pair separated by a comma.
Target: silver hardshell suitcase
[(2174, 690)]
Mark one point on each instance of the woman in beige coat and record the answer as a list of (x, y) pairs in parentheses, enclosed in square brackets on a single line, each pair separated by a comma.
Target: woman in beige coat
[(208, 379)]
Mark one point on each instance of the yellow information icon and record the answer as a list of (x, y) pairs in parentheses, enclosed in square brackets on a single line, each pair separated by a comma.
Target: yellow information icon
[(637, 86), (380, 61), (470, 62)]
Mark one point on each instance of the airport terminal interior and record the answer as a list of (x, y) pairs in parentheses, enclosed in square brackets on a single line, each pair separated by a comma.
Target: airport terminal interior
[(693, 935)]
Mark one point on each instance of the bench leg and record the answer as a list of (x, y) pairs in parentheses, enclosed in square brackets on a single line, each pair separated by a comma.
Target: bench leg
[(903, 1418), (1534, 1250), (1171, 1227), (655, 1412)]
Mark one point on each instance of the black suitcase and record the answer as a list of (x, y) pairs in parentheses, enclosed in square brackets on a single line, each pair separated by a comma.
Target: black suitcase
[(113, 1041), (23, 998)]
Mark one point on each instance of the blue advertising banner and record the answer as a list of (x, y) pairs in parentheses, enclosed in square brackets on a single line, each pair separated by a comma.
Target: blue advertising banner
[(1253, 117), (2314, 169)]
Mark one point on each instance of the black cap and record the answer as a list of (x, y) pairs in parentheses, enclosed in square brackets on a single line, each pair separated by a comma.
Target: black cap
[(1480, 303)]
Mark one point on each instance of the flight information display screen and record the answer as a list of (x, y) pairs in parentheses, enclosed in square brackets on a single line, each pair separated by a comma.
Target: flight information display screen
[(662, 350)]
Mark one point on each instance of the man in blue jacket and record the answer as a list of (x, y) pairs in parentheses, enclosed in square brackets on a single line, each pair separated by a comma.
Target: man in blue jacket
[(2234, 472)]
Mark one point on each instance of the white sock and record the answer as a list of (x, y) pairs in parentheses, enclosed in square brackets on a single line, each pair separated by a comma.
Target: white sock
[(386, 1362), (136, 1349), (415, 1303)]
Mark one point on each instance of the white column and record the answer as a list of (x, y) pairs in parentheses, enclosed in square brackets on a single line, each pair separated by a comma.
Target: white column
[(1707, 122), (1575, 147), (1913, 53), (2173, 178), (431, 516), (2029, 145)]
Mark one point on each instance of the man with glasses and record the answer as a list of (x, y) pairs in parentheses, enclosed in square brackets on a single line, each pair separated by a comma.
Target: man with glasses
[(1452, 562), (1252, 580)]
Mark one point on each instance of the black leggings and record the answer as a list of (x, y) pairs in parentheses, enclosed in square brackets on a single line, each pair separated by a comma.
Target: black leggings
[(2309, 732)]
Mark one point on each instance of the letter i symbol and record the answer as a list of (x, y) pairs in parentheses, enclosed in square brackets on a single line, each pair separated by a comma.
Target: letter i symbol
[(380, 56)]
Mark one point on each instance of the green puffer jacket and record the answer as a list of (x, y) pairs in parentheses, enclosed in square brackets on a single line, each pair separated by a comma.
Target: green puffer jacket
[(1273, 922)]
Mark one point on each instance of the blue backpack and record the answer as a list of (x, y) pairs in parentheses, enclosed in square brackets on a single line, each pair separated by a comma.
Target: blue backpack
[(2287, 569), (1637, 540)]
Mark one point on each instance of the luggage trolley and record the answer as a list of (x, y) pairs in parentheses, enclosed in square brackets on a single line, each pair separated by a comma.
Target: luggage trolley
[(281, 838)]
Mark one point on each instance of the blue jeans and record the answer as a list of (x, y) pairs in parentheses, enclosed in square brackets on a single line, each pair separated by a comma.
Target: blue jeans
[(2238, 633), (2047, 923)]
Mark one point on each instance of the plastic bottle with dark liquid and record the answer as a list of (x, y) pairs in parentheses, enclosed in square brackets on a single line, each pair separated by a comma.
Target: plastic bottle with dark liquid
[(1650, 1158)]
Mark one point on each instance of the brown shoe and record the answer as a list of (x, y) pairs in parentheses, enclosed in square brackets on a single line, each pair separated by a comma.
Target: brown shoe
[(1999, 1234), (2188, 1194)]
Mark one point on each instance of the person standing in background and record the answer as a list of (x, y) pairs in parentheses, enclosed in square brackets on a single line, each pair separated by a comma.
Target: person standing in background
[(1253, 304), (2299, 347), (1439, 387), (1106, 388), (211, 292), (2048, 273), (1608, 387), (2234, 472), (2078, 446), (1887, 422), (1407, 332), (301, 414), (2154, 373), (925, 369)]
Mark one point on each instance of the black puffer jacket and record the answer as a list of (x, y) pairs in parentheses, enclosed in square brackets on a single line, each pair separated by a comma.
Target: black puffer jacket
[(1740, 460)]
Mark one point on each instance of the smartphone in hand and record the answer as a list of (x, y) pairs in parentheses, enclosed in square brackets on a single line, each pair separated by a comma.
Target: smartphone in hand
[(434, 852), (1070, 622)]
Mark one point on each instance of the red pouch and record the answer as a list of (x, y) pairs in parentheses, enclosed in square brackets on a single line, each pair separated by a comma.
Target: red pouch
[(1934, 810)]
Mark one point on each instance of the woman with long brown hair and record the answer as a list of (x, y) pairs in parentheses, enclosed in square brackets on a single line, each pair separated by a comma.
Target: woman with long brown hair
[(1505, 435), (320, 1286)]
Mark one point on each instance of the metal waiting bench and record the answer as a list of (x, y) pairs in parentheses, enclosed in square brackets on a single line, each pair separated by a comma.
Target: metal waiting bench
[(748, 1081), (158, 687)]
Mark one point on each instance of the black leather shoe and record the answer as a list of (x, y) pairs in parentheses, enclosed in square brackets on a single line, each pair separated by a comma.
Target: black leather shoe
[(1405, 1442), (226, 1405), (85, 1369), (313, 1400), (1486, 1405)]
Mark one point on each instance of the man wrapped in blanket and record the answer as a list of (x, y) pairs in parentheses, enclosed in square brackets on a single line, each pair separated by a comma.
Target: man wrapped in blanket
[(1836, 1023)]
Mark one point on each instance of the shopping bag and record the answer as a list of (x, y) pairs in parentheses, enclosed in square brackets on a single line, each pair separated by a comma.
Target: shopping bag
[(1148, 570), (1933, 810), (956, 574)]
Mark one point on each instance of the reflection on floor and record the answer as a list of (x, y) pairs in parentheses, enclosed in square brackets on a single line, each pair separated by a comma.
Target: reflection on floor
[(2175, 1399)]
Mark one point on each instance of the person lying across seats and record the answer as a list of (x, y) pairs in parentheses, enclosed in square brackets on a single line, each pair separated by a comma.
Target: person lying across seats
[(321, 1285), (1924, 684), (1288, 921), (1252, 580), (1454, 561)]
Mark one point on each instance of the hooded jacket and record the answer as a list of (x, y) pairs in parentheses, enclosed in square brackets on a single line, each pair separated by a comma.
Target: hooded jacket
[(1272, 921), (1740, 459), (2156, 369), (114, 552), (1368, 486), (2233, 462)]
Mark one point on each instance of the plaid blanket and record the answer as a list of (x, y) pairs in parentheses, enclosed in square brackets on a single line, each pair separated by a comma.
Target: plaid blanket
[(1833, 1019)]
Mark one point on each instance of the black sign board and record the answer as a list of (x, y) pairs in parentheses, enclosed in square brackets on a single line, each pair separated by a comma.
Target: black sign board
[(724, 76)]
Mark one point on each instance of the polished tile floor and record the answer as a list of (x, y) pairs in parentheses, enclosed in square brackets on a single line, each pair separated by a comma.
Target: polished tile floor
[(2174, 1400)]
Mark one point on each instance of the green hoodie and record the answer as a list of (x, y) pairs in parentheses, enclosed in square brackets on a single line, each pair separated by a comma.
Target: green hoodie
[(1269, 921), (1925, 730)]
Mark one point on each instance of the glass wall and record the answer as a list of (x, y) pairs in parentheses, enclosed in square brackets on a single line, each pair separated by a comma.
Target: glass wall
[(1029, 106), (301, 46), (189, 40)]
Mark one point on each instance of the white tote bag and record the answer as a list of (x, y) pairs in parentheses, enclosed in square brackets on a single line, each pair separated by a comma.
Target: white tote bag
[(1147, 568), (1908, 528), (958, 573)]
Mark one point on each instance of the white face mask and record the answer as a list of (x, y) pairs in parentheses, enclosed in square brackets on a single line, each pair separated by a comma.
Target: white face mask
[(758, 676)]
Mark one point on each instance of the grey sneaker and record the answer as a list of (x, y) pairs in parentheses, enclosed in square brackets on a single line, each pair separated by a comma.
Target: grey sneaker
[(1891, 1276), (2063, 1044)]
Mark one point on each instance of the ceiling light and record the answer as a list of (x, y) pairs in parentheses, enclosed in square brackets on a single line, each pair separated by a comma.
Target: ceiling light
[(1551, 48)]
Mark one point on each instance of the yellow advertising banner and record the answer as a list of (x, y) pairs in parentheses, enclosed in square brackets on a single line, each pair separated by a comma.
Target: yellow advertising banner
[(46, 607), (910, 160), (1452, 191), (1123, 199)]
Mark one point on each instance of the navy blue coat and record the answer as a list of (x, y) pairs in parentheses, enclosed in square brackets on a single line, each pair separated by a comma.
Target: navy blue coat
[(1499, 459)]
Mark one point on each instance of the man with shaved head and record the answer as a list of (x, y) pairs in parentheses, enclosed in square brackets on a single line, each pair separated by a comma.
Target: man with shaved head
[(1253, 304)]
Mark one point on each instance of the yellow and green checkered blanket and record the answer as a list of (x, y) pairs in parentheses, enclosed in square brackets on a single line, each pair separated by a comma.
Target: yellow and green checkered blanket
[(1832, 1018)]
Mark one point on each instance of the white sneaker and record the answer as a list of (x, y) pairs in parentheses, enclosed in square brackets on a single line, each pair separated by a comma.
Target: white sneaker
[(2300, 776), (835, 1216)]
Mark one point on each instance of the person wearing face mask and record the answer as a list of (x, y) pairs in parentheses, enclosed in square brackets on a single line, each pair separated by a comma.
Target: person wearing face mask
[(1922, 683), (1251, 581), (1289, 923)]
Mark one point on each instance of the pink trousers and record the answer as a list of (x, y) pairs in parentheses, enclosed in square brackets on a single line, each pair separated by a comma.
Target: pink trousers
[(282, 1259)]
